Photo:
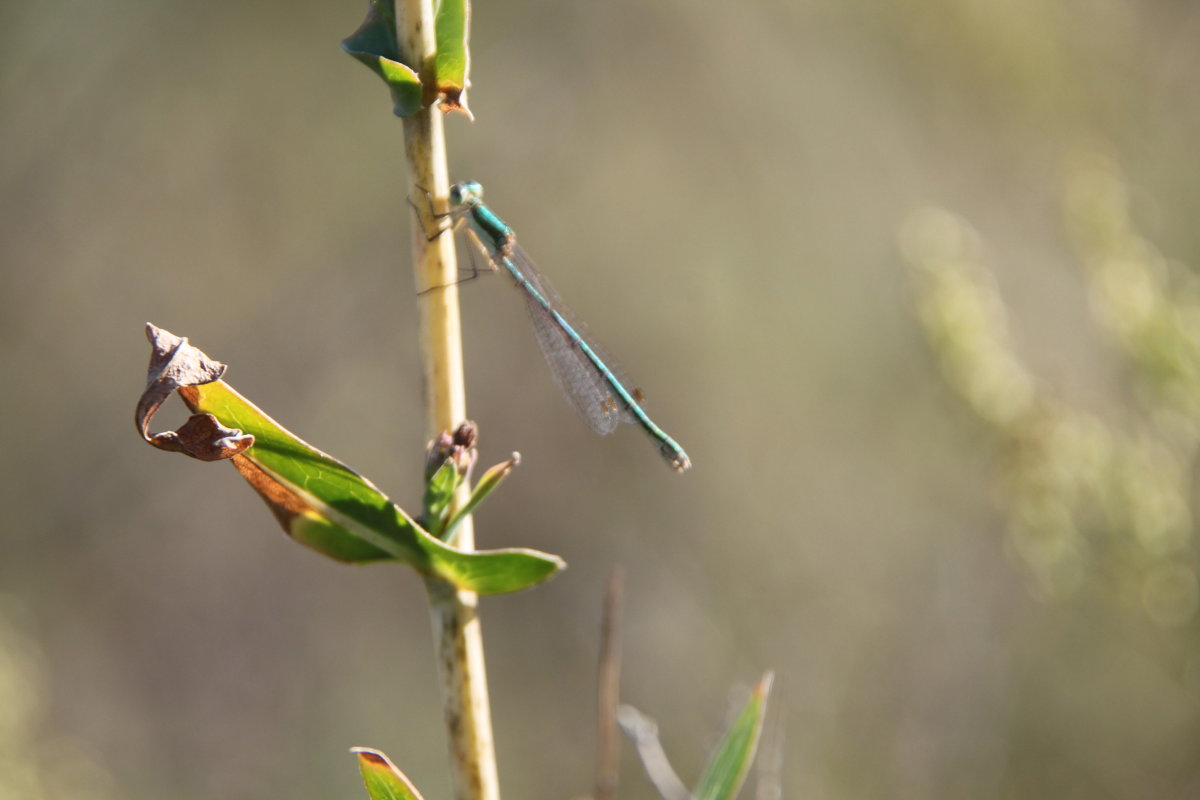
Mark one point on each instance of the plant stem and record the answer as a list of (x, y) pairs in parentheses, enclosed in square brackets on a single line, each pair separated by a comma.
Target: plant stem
[(456, 628), (608, 690)]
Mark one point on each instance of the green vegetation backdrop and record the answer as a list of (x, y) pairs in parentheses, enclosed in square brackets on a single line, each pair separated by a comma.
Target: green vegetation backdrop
[(970, 557)]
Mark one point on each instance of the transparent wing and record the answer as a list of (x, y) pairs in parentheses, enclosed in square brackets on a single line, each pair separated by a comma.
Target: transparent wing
[(576, 376)]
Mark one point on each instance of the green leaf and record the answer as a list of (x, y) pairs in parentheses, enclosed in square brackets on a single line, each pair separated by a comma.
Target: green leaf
[(723, 776), (383, 779), (487, 484), (452, 30), (327, 506), (375, 45), (318, 501), (439, 493), (495, 571)]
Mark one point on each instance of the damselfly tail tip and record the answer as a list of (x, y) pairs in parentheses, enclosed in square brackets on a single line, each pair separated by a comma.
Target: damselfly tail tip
[(676, 458)]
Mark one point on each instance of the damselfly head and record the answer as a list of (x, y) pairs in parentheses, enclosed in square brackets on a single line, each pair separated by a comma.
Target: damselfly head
[(466, 193)]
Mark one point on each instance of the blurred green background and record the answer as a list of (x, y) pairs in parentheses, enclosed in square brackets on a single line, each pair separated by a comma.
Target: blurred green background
[(913, 282)]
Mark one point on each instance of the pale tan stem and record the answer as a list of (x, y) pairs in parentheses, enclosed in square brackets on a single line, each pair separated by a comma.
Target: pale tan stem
[(608, 690), (456, 630)]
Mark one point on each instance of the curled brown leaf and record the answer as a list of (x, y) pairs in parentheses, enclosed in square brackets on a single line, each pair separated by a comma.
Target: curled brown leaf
[(175, 364)]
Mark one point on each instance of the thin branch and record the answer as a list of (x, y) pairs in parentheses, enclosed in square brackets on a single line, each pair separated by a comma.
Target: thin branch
[(608, 690), (643, 732)]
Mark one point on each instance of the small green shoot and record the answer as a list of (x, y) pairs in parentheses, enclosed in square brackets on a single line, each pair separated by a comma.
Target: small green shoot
[(383, 779), (730, 762), (439, 494), (487, 484)]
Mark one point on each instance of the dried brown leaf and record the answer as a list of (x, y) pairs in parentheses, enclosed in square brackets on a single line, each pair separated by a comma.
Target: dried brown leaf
[(175, 364)]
